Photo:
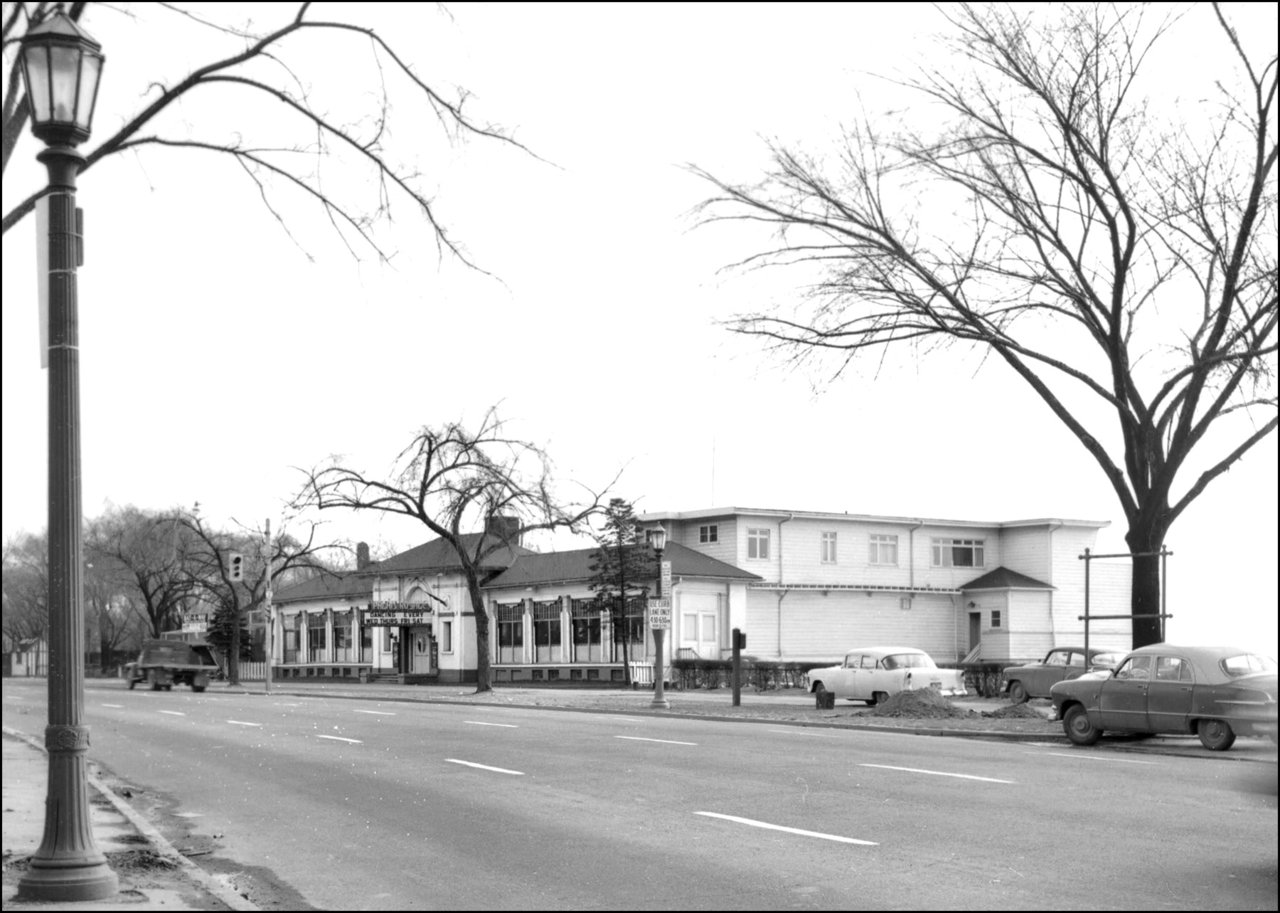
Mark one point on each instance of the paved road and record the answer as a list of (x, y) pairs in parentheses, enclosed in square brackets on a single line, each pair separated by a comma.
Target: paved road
[(387, 805)]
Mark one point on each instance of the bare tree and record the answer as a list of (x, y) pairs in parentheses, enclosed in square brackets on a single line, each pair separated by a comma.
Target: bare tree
[(147, 552), (1109, 258), (453, 479), (26, 588), (209, 572), (262, 70)]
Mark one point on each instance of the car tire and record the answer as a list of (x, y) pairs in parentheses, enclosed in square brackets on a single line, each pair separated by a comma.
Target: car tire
[(153, 680), (132, 683), (1018, 692), (819, 688), (1215, 735), (1078, 728), (197, 688), (877, 697)]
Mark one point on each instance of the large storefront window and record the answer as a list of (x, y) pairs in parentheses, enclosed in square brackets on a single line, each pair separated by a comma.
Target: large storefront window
[(343, 641), (586, 615), (510, 633), (546, 632), (315, 638)]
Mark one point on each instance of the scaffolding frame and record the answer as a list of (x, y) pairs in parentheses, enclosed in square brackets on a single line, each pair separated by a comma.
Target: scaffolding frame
[(1088, 557)]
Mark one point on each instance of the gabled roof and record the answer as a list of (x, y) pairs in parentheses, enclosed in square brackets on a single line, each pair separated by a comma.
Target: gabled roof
[(1004, 579), (438, 556), (775, 513), (327, 585), (433, 557), (536, 569)]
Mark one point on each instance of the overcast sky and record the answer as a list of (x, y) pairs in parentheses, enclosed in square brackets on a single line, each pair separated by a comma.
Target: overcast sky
[(219, 353)]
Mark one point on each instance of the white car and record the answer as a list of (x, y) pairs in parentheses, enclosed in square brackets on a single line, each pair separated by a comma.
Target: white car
[(874, 674)]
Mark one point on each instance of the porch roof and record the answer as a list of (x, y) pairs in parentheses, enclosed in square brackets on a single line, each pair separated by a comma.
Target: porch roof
[(535, 569)]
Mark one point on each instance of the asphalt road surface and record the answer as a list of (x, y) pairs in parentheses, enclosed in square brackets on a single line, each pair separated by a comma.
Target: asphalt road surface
[(368, 805)]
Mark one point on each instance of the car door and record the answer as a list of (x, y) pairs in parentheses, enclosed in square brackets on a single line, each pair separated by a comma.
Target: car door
[(1169, 695), (1122, 699), (844, 677), (1048, 674)]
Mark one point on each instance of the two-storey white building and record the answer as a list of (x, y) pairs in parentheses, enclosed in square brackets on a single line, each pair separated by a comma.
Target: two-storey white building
[(804, 586)]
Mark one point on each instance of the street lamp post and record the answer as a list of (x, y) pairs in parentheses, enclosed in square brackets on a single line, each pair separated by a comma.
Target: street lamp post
[(658, 539), (61, 65)]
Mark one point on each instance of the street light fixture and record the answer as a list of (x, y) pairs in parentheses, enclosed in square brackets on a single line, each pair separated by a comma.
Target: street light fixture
[(61, 65), (658, 539)]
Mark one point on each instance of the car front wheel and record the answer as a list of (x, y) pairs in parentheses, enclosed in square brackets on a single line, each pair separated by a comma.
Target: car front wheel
[(1215, 735), (877, 697), (1018, 693), (1078, 728)]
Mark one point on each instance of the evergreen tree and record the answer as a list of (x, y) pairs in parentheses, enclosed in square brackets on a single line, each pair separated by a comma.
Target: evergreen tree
[(620, 564)]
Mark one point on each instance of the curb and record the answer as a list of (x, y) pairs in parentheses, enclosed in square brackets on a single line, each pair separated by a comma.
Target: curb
[(211, 884)]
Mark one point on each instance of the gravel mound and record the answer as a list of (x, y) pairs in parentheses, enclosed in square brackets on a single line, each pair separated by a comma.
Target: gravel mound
[(925, 704), (1014, 712)]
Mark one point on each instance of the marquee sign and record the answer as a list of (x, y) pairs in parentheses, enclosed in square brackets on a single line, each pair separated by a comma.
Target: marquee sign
[(393, 614)]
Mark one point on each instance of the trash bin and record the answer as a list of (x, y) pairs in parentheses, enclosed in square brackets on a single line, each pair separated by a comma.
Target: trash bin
[(826, 700)]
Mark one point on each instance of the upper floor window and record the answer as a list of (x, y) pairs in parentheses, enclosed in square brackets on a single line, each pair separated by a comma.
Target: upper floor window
[(958, 553), (757, 543), (828, 548), (709, 533), (883, 550)]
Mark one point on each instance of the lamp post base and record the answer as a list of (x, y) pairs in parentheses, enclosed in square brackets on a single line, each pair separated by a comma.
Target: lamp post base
[(50, 881), (660, 703)]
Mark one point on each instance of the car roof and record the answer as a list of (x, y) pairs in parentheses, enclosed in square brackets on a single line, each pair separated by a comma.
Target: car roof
[(884, 650), (1204, 654)]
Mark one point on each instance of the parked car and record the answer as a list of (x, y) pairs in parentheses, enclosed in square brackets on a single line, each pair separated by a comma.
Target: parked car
[(1215, 693), (874, 674), (1060, 664)]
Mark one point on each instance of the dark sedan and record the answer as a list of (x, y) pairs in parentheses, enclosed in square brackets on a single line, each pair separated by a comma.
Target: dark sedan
[(1215, 693), (1060, 664)]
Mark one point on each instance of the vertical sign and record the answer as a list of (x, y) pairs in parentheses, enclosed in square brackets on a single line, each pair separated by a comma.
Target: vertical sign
[(666, 579)]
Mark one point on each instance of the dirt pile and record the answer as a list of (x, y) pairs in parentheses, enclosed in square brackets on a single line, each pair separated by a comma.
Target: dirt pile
[(926, 704)]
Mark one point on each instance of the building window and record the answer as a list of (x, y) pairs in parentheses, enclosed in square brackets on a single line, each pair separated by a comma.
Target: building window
[(828, 548), (883, 550), (709, 533), (632, 628), (343, 641), (958, 553), (585, 616), (546, 632), (510, 633), (315, 638), (995, 618), (446, 636), (292, 627), (758, 543)]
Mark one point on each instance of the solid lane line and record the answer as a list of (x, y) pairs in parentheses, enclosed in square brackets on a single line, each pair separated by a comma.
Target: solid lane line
[(636, 738), (937, 773), (789, 830), (499, 770)]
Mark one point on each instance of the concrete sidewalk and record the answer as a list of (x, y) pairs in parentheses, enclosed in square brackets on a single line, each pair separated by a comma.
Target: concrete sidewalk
[(152, 874)]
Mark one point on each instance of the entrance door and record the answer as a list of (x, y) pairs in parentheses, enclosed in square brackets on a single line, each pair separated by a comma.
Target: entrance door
[(975, 630), (700, 625), (420, 647)]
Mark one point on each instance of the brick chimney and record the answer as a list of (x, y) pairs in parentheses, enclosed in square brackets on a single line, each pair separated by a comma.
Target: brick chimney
[(505, 528), (362, 556)]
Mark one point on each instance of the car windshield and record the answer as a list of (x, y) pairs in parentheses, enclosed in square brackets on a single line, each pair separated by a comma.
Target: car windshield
[(1246, 664), (908, 661), (1108, 660)]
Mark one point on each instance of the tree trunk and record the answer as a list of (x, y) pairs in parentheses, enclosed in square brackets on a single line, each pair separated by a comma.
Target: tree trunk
[(1146, 542), (484, 672)]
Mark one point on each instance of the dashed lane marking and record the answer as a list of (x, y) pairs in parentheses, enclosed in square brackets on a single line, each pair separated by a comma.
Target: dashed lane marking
[(497, 770), (636, 738), (937, 773), (789, 830)]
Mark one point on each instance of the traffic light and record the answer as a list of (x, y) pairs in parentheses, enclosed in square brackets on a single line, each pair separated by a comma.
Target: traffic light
[(739, 639), (235, 566)]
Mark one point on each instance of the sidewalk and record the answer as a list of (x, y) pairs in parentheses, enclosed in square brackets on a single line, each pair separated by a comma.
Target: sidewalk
[(152, 874)]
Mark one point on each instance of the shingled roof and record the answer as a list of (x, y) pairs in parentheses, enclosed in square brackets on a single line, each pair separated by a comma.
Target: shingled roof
[(534, 569), (1004, 579)]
